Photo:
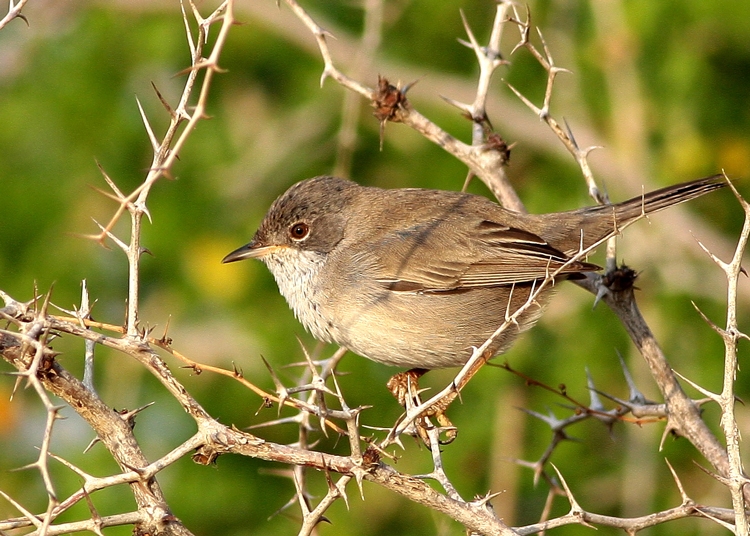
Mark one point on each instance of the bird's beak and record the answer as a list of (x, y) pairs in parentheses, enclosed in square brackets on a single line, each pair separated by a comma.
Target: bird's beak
[(253, 250)]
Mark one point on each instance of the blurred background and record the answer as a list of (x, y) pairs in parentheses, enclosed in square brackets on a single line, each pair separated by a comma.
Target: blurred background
[(662, 86)]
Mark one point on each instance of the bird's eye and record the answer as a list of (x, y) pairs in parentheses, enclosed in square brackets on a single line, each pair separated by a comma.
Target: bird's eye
[(298, 231)]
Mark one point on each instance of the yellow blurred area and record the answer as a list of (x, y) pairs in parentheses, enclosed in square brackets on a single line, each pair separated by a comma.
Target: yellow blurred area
[(734, 156), (686, 155), (203, 267), (8, 411)]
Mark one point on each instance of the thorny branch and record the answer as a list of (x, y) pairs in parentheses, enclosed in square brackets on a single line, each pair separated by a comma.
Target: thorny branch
[(482, 160), (14, 12), (41, 371), (734, 478), (212, 438), (489, 58), (167, 151), (684, 413)]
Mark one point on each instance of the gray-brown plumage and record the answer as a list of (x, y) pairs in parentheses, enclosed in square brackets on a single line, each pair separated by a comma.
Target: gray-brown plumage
[(416, 278)]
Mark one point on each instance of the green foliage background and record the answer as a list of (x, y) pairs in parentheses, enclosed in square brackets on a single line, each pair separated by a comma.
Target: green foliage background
[(662, 85)]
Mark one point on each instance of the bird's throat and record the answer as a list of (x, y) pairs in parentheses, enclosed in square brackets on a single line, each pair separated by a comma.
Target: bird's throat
[(296, 273)]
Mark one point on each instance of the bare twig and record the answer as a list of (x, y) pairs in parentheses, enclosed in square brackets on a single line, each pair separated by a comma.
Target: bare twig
[(735, 478), (14, 12)]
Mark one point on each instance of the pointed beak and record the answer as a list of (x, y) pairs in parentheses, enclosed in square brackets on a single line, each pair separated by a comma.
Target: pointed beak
[(253, 250)]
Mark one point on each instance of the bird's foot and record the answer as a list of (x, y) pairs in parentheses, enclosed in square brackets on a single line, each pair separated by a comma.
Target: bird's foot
[(405, 385), (405, 388)]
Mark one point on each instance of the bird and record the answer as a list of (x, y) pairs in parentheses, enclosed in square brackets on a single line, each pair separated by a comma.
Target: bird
[(419, 278)]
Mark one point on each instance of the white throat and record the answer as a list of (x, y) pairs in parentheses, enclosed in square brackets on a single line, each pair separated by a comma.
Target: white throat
[(296, 274)]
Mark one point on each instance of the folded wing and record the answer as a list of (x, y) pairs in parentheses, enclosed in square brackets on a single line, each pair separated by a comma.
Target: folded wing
[(439, 257)]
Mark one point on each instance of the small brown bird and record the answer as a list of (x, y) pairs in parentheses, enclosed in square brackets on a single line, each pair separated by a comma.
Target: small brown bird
[(416, 278)]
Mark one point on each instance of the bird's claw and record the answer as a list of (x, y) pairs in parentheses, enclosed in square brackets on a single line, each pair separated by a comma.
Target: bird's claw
[(405, 388)]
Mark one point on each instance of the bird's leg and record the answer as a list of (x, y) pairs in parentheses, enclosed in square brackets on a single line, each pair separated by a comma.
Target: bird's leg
[(405, 388), (406, 384), (437, 410)]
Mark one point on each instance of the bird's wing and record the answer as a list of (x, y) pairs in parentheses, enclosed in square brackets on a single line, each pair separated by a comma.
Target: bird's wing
[(437, 256)]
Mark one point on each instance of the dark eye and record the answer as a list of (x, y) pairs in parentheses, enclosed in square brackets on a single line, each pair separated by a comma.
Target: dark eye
[(298, 231)]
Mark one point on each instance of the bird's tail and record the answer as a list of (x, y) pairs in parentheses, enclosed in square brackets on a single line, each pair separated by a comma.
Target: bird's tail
[(588, 225), (665, 197)]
